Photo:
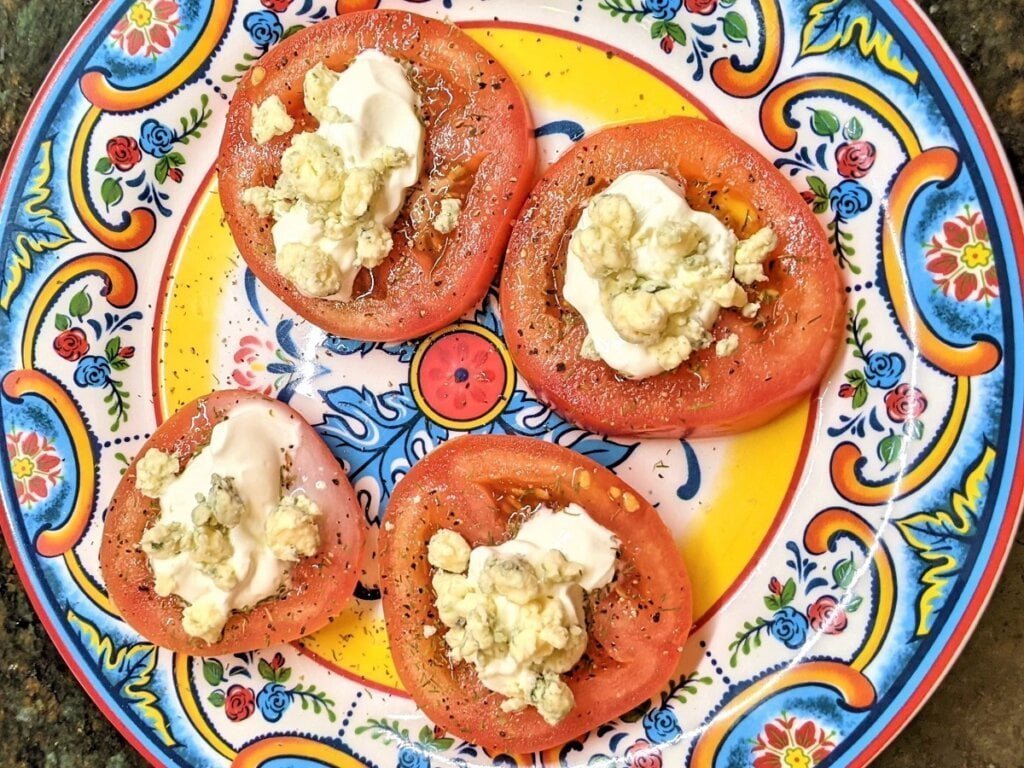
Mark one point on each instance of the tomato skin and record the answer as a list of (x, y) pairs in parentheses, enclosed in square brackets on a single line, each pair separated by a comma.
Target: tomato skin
[(638, 628), (774, 366), (474, 108), (321, 585)]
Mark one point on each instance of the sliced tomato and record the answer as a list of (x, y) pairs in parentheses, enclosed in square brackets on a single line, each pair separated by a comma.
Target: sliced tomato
[(475, 485), (783, 354), (320, 585), (479, 147)]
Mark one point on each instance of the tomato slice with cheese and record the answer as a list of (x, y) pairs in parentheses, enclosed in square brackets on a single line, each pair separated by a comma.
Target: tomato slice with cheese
[(783, 353), (480, 486), (320, 585), (479, 148)]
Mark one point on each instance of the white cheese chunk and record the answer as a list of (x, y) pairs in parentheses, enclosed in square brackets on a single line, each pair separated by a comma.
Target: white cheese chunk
[(270, 119)]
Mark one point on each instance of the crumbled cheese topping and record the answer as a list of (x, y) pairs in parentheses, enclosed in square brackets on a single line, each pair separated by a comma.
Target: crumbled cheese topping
[(650, 275), (224, 540), (515, 611), (342, 186), (270, 119)]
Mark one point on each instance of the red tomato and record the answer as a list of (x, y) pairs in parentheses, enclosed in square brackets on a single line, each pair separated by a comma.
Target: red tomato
[(475, 485), (320, 585), (479, 147), (783, 353)]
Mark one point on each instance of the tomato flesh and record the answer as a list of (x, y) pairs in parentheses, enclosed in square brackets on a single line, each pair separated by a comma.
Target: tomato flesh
[(320, 585), (475, 485), (783, 354), (479, 147)]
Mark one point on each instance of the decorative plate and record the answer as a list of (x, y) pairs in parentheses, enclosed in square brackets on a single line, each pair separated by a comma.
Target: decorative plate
[(841, 555)]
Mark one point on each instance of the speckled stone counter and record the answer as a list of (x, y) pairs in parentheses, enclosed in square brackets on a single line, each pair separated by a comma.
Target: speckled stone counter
[(976, 720)]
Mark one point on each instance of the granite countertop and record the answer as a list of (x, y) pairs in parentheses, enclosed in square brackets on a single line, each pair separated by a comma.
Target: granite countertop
[(975, 720)]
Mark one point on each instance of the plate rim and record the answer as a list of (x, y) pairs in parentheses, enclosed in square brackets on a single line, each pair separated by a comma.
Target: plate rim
[(948, 653)]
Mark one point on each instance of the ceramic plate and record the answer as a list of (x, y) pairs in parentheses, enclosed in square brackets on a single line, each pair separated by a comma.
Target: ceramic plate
[(840, 555)]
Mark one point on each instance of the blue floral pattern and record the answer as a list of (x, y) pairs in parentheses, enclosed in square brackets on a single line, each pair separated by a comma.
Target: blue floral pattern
[(264, 28)]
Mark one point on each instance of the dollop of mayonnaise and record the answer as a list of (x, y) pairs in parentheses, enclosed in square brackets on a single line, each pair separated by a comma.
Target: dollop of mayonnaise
[(342, 186), (211, 543), (649, 275), (515, 611)]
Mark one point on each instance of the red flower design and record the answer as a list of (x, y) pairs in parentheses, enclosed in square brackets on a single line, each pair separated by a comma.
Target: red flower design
[(239, 703), (462, 376), (809, 196), (126, 352), (148, 28), (855, 158), (847, 390), (703, 7), (71, 344), (905, 402), (643, 755), (784, 744), (667, 44), (277, 662), (277, 6), (253, 357), (962, 261), (175, 175), (827, 616), (35, 466), (775, 586), (124, 152)]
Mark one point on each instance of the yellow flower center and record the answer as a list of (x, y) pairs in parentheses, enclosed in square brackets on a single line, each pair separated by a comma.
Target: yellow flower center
[(797, 758), (23, 467), (140, 14), (976, 255)]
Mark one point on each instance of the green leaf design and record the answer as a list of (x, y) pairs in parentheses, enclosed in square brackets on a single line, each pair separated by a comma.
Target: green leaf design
[(890, 448), (292, 30), (129, 671), (860, 395), (855, 376), (788, 593), (33, 229), (835, 24), (941, 537), (104, 165), (735, 27), (162, 169), (216, 698), (853, 130), (854, 604), (444, 744), (175, 159), (771, 602), (111, 191), (63, 322), (80, 305), (676, 32), (842, 573), (112, 348), (913, 428), (426, 735), (213, 671), (825, 123), (283, 675), (818, 186), (266, 671)]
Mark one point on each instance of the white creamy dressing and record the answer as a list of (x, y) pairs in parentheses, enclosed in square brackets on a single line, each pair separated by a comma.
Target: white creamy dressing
[(249, 446), (658, 201)]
